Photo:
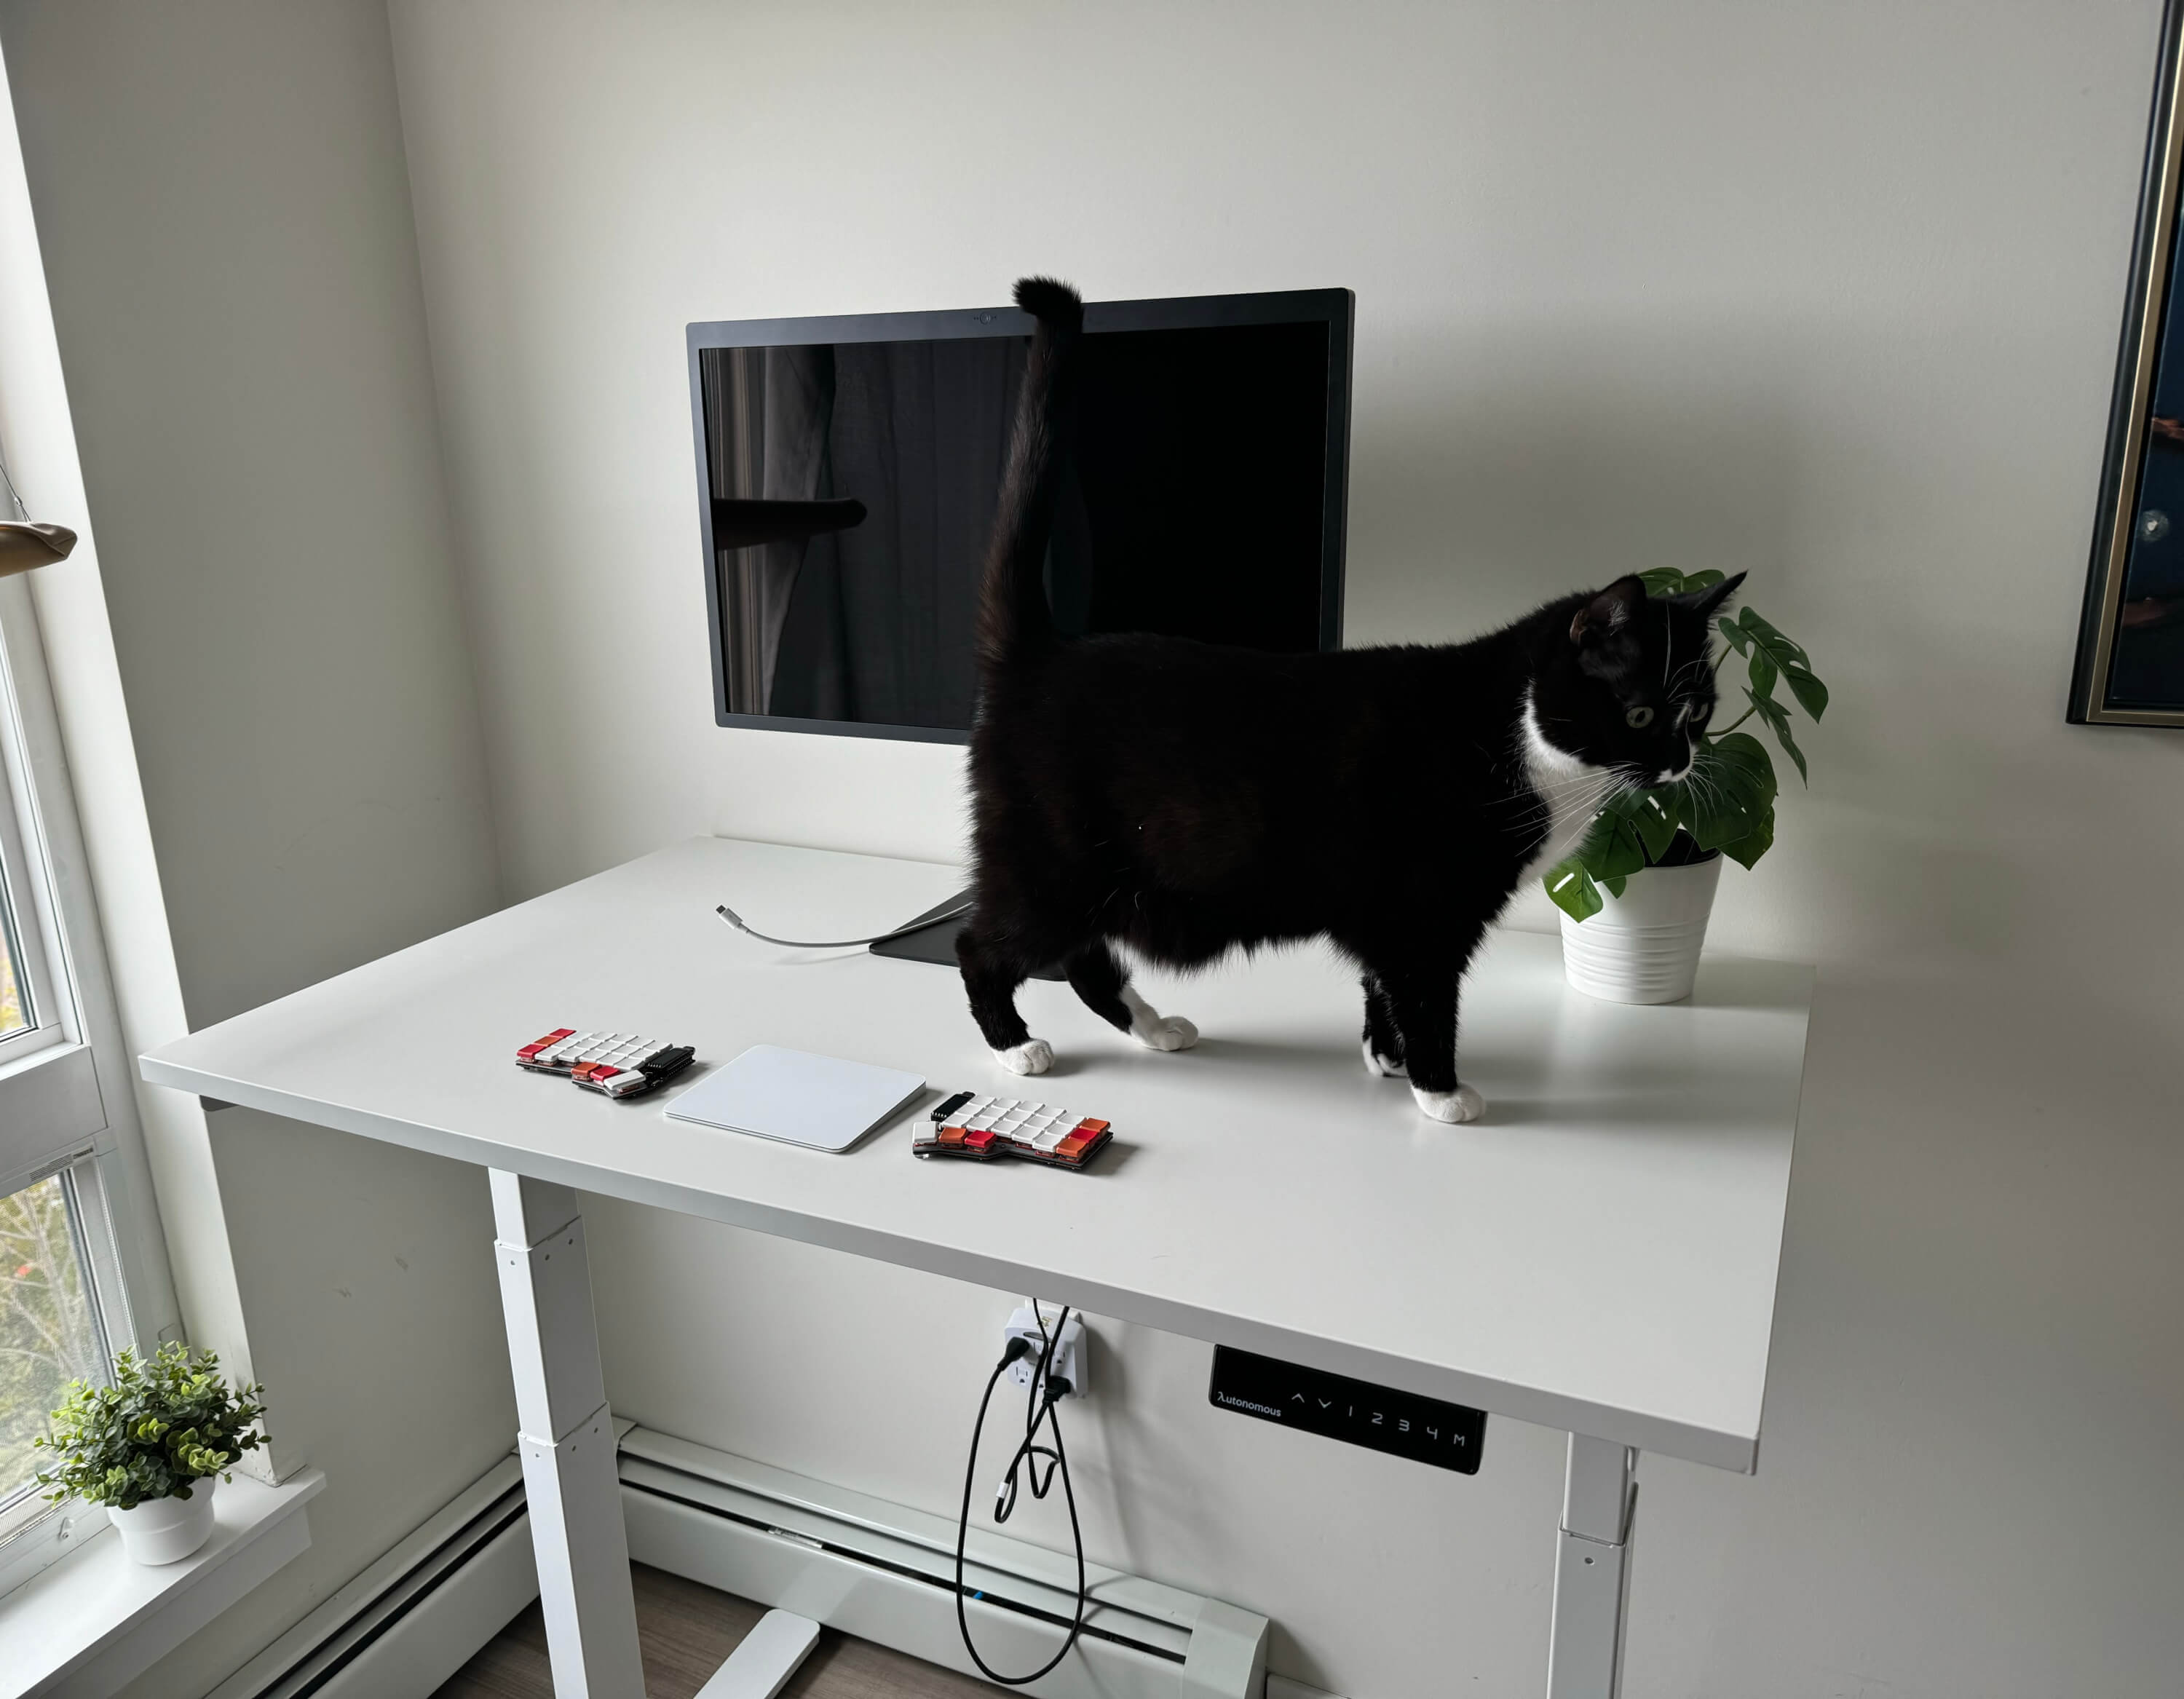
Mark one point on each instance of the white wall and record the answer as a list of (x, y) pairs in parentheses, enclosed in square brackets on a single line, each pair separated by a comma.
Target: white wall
[(1829, 293), (224, 210)]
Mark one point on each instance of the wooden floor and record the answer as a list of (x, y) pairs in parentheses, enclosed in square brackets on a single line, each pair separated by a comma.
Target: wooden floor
[(685, 1629)]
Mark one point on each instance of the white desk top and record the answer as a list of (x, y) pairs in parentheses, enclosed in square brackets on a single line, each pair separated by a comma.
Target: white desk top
[(1597, 1255)]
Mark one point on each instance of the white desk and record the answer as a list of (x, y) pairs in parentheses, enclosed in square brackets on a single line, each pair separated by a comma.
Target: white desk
[(1598, 1255)]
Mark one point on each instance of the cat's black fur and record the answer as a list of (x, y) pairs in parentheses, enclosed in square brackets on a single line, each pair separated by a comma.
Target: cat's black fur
[(1186, 800)]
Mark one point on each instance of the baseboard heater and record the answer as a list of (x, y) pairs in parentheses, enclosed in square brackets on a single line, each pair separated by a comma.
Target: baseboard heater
[(886, 1574), (416, 1617), (868, 1568)]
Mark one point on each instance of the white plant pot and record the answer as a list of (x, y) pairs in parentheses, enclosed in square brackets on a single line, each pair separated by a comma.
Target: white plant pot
[(1644, 946), (166, 1530)]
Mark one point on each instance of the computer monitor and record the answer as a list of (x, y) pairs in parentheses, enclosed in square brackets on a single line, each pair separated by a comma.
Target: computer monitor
[(848, 470)]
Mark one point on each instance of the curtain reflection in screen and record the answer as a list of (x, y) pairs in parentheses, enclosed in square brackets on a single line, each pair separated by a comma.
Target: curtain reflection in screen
[(872, 623)]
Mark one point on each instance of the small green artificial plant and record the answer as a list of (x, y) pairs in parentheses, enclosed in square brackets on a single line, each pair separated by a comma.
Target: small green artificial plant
[(167, 1421), (1726, 802)]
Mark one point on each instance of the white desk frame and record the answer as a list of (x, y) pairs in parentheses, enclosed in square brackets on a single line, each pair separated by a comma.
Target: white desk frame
[(566, 1436), (1624, 1205)]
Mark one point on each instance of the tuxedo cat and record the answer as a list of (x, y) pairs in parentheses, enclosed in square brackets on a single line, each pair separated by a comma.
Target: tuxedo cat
[(1185, 799)]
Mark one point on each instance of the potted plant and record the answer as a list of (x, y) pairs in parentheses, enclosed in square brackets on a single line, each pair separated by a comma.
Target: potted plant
[(1636, 893), (152, 1447)]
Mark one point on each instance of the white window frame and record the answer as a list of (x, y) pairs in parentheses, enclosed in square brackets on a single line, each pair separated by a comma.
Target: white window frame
[(67, 1098), (36, 953)]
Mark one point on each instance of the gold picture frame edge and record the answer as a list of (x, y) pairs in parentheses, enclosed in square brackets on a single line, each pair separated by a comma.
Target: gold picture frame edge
[(2142, 326)]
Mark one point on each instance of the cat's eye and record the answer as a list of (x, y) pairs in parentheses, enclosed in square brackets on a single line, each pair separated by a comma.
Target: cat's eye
[(1638, 719)]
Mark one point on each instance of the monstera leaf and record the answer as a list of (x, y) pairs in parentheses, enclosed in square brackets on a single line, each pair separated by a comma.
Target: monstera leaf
[(1631, 832), (1770, 654), (1572, 889), (1778, 722), (1727, 802), (1656, 813), (1667, 581), (1612, 849), (1730, 791), (1748, 848)]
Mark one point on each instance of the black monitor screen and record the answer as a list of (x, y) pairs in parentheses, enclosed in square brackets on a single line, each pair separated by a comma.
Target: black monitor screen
[(1195, 502)]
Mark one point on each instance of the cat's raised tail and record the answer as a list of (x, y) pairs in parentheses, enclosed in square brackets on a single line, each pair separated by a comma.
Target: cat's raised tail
[(1014, 624)]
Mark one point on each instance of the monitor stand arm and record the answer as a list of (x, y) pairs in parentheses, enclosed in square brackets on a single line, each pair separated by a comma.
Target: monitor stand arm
[(936, 943)]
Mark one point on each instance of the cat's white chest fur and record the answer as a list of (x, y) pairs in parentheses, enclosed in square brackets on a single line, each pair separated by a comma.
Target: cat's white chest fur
[(1571, 790)]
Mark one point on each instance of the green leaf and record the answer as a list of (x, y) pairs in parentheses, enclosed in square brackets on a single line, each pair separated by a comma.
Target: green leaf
[(1778, 722), (1611, 847), (1616, 884), (1760, 629), (1748, 848), (1730, 790), (1748, 763), (1655, 814), (1626, 852), (1795, 664), (1667, 581), (1739, 638), (1811, 694), (1764, 672), (1572, 890)]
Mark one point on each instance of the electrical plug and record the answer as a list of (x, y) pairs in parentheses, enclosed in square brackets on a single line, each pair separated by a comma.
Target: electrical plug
[(1067, 1364)]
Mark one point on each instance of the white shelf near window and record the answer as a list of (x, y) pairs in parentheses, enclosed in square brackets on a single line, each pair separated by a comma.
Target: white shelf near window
[(96, 1620)]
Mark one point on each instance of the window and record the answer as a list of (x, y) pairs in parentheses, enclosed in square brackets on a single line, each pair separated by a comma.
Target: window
[(82, 1262), (13, 1017), (49, 1330), (22, 1008)]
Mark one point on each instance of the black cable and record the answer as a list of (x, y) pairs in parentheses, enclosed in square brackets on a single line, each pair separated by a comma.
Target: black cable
[(738, 921), (1045, 1377), (1028, 1452), (1054, 1388)]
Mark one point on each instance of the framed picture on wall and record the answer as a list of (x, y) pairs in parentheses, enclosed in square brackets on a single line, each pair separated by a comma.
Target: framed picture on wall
[(2131, 639)]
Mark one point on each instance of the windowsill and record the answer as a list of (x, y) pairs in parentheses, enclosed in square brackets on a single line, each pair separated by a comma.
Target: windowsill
[(95, 1620)]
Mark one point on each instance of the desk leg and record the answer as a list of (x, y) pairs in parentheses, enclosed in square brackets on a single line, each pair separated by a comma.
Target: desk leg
[(566, 1434), (1592, 1571)]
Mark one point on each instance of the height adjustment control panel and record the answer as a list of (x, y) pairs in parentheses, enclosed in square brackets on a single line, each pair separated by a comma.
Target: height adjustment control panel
[(1449, 1436)]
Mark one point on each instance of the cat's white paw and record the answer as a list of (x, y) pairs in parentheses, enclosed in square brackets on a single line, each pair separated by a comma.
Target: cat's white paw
[(1379, 1066), (1463, 1104), (1033, 1055), (1157, 1031), (1165, 1033)]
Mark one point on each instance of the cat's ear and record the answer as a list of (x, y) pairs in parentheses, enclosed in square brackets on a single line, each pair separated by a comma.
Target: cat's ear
[(1705, 603), (1609, 611)]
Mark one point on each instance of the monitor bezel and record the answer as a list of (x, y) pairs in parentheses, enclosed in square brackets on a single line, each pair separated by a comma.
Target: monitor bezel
[(1335, 307)]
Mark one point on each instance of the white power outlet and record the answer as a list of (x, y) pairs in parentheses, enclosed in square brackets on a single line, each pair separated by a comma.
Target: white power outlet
[(1068, 1359)]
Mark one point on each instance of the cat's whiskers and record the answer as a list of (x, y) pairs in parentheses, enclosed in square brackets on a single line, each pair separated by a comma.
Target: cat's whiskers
[(1579, 796), (1694, 668), (1560, 790)]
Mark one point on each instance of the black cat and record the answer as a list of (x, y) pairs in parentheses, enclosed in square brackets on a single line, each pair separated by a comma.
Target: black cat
[(1185, 799)]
